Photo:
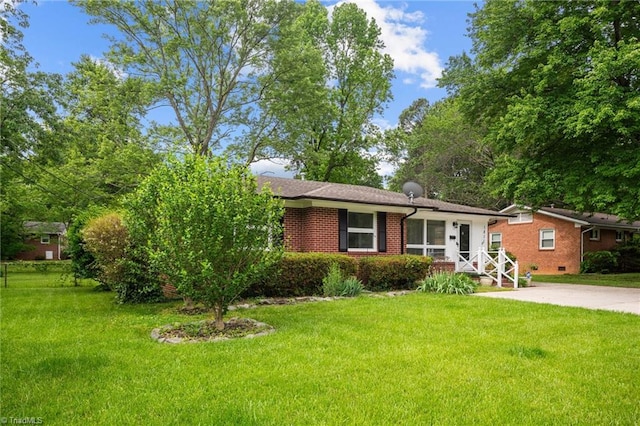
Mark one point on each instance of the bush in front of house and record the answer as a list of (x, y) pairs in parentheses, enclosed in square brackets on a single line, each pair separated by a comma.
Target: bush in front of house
[(301, 274), (447, 283), (599, 262), (628, 256), (398, 272), (336, 284)]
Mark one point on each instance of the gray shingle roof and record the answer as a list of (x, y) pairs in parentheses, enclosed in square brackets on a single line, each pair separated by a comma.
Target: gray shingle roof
[(295, 189), (45, 227), (596, 219)]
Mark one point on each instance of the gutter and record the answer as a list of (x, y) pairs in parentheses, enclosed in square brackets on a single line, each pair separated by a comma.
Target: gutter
[(582, 243), (405, 217)]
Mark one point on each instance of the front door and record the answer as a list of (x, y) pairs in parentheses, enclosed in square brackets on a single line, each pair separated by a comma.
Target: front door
[(464, 238)]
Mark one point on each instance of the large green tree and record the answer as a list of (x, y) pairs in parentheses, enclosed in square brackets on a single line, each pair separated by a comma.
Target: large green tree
[(205, 58), (101, 151), (332, 79), (438, 148), (28, 113), (556, 85)]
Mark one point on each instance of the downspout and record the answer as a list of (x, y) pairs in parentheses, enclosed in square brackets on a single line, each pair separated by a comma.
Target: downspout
[(582, 243), (415, 210)]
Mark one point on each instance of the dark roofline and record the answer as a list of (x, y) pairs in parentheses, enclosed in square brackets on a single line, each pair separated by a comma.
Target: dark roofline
[(420, 203)]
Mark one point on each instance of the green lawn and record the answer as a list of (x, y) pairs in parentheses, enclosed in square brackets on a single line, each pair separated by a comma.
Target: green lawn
[(610, 280), (71, 356)]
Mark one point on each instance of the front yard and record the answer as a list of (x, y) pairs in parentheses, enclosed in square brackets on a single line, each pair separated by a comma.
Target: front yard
[(609, 280), (70, 356)]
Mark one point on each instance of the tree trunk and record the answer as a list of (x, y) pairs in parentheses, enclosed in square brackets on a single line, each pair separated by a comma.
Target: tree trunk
[(219, 313)]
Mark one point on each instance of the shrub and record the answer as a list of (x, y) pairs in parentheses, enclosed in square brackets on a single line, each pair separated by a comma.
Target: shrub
[(213, 230), (381, 273), (448, 283), (628, 256), (599, 261), (334, 284), (106, 238), (301, 274), (118, 260), (82, 260)]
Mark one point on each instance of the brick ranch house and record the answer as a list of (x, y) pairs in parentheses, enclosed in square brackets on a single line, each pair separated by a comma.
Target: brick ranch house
[(358, 221), (45, 239), (552, 240)]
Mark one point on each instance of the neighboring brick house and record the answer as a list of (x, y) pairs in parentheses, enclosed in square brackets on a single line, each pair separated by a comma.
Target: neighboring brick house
[(552, 240), (358, 220), (46, 239)]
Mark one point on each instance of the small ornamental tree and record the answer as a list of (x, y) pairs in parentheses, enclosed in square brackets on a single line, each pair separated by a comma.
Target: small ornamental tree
[(107, 238), (212, 231)]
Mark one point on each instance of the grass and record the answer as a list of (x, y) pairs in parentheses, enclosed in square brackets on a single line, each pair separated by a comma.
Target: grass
[(39, 274), (609, 280), (70, 355)]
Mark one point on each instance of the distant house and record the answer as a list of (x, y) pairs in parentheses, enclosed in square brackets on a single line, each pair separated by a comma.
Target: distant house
[(46, 241), (552, 240), (357, 220)]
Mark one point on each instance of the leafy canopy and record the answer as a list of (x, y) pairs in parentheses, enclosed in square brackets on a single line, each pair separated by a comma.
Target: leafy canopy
[(556, 85)]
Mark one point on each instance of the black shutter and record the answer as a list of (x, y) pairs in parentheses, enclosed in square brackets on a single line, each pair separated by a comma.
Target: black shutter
[(382, 232), (343, 230)]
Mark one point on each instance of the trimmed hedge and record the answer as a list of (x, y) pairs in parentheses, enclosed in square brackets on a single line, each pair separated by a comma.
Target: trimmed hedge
[(381, 273), (301, 274)]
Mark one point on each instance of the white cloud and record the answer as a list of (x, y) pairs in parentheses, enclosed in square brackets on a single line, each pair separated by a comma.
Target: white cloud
[(404, 35), (273, 167)]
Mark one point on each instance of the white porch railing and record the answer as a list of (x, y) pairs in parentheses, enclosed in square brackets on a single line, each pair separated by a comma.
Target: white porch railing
[(495, 265)]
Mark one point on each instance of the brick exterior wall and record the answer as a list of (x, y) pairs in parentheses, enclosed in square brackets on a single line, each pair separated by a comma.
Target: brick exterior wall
[(39, 250), (315, 229), (523, 240), (607, 241)]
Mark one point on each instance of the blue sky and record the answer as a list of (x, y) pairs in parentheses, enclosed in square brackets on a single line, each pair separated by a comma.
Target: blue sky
[(419, 35)]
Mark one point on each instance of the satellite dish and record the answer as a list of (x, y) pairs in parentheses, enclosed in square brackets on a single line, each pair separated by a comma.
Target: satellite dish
[(412, 190)]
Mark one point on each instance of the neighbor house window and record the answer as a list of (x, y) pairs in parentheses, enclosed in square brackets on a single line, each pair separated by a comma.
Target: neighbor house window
[(426, 237), (521, 217), (594, 235), (361, 231), (619, 236), (495, 240), (547, 239), (44, 239)]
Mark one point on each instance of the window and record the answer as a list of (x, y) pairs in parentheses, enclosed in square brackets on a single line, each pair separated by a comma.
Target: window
[(619, 236), (594, 235), (495, 241), (547, 239), (361, 231), (426, 237), (44, 239), (521, 217)]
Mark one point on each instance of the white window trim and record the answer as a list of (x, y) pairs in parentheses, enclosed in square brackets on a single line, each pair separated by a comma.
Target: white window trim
[(491, 239), (596, 232), (372, 231), (621, 234), (522, 217), (425, 246), (553, 238), (45, 239)]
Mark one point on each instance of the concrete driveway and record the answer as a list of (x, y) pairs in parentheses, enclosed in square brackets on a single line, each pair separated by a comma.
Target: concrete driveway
[(585, 296)]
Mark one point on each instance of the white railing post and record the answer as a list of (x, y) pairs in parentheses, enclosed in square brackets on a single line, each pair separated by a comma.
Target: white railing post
[(500, 266), (516, 274)]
